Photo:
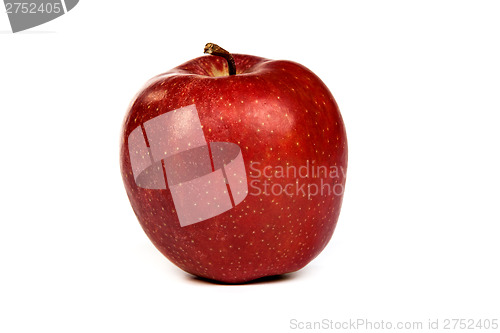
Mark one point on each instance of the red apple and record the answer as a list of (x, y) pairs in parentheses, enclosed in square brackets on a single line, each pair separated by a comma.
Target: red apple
[(235, 177)]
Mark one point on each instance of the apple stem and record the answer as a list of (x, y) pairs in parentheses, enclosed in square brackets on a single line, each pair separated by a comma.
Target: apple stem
[(216, 50)]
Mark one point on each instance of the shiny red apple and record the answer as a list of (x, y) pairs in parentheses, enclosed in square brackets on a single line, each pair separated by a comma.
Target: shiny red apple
[(235, 165)]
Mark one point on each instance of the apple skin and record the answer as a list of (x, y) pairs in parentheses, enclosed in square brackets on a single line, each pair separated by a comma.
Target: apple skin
[(279, 113)]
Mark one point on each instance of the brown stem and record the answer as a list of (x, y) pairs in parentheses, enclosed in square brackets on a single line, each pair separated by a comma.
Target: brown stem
[(216, 50)]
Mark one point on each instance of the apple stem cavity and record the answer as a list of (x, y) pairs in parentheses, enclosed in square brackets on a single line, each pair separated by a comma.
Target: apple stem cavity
[(214, 49)]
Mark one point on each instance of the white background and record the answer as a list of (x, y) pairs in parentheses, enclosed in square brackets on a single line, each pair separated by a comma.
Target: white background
[(418, 84)]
